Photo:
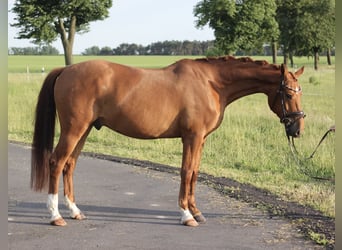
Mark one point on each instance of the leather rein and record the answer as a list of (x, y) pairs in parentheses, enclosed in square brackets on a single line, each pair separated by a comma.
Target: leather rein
[(300, 161)]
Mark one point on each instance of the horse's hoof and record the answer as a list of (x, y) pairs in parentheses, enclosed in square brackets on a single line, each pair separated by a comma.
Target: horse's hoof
[(58, 222), (200, 218), (190, 223), (79, 216)]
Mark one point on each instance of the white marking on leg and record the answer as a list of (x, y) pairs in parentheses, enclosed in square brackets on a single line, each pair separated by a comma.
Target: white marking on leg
[(52, 205), (74, 210), (186, 215)]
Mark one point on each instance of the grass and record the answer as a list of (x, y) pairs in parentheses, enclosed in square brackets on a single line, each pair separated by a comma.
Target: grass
[(34, 64), (250, 146)]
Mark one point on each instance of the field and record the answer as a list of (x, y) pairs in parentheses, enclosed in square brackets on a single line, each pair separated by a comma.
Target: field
[(250, 146)]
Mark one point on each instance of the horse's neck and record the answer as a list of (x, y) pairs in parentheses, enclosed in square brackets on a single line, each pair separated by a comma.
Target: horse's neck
[(242, 82)]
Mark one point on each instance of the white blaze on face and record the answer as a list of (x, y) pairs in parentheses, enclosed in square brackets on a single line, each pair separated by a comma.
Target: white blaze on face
[(52, 205)]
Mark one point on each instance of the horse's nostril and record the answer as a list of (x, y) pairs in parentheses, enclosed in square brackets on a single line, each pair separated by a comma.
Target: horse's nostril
[(297, 134)]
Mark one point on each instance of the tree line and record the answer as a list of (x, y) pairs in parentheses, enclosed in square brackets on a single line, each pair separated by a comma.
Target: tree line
[(200, 48), (42, 50), (156, 48)]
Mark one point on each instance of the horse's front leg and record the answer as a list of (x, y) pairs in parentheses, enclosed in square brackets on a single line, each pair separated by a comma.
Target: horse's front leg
[(192, 149), (198, 216)]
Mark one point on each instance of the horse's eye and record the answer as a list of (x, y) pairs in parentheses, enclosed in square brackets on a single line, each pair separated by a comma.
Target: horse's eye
[(288, 96)]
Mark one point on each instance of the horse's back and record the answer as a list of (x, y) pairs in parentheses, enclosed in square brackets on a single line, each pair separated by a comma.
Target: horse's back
[(136, 102)]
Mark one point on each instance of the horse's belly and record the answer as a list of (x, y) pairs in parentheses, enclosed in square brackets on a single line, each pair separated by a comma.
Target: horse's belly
[(144, 125)]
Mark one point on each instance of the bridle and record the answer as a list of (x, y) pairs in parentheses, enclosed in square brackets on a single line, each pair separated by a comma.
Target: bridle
[(288, 118)]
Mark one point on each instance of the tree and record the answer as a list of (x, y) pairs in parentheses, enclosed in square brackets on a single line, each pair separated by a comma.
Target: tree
[(240, 24), (307, 27), (45, 20), (316, 28), (106, 51), (48, 50), (92, 51), (287, 12)]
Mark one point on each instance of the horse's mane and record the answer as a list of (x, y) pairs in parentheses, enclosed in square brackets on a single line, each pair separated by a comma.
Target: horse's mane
[(232, 59)]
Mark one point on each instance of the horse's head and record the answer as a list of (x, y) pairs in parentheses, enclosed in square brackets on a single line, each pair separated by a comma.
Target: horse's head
[(286, 102)]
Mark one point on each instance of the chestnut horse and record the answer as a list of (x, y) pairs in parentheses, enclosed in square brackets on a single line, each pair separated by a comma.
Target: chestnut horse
[(186, 99)]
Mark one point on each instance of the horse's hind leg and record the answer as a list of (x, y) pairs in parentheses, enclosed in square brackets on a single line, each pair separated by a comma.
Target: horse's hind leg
[(68, 171), (66, 145)]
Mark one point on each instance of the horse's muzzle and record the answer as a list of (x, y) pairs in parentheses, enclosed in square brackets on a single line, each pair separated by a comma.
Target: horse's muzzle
[(292, 123), (293, 130)]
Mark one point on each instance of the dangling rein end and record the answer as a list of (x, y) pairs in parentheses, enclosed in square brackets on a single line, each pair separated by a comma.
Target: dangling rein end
[(331, 129), (295, 154)]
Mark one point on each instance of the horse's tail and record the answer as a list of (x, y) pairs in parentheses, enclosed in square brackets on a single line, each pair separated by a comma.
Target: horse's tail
[(44, 132)]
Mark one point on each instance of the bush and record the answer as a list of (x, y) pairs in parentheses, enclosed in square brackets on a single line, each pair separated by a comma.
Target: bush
[(314, 80)]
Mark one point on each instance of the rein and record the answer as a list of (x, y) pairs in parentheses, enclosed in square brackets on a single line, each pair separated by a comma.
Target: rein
[(299, 161)]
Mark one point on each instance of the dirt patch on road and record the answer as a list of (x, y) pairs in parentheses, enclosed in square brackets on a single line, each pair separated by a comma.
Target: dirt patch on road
[(308, 220)]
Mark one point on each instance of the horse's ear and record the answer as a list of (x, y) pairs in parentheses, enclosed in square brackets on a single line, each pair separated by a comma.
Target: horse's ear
[(283, 69), (299, 72)]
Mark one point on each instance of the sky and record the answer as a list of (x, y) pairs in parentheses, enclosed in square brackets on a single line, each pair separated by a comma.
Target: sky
[(132, 21)]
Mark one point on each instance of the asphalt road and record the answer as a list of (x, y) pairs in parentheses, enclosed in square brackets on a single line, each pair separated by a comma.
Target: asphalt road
[(135, 208)]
